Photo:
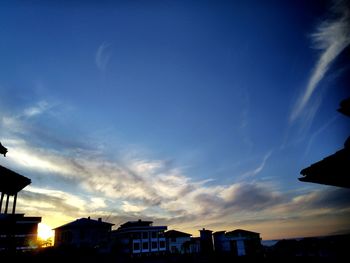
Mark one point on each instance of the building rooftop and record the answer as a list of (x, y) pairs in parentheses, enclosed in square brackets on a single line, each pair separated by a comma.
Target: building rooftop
[(175, 233), (137, 223), (205, 230), (241, 232), (11, 182), (85, 222)]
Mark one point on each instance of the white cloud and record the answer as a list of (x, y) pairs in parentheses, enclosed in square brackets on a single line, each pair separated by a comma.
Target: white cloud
[(97, 203), (103, 56), (41, 107), (128, 207), (16, 123), (150, 189), (332, 37)]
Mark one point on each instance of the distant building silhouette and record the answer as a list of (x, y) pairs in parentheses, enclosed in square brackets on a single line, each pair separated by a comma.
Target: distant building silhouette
[(17, 232), (206, 241), (139, 238), (84, 233), (238, 242), (193, 246), (175, 241), (334, 169)]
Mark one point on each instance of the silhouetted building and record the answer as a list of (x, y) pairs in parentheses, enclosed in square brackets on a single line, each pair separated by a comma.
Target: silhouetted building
[(329, 248), (206, 241), (17, 232), (139, 237), (238, 242), (193, 246), (334, 169), (175, 241), (84, 233)]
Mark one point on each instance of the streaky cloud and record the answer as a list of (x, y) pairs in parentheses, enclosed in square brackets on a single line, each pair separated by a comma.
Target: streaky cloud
[(39, 108), (331, 37), (103, 56), (260, 167)]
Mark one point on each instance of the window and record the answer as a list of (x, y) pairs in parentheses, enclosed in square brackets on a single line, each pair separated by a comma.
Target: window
[(154, 245), (161, 234), (136, 246), (145, 235), (161, 244), (154, 234), (145, 245)]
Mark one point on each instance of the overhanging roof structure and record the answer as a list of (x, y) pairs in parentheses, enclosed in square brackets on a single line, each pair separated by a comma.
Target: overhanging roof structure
[(11, 182), (332, 170), (345, 107)]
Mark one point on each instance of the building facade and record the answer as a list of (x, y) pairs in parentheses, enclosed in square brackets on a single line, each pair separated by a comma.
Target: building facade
[(193, 246), (139, 238), (238, 242), (18, 232), (84, 233), (175, 241)]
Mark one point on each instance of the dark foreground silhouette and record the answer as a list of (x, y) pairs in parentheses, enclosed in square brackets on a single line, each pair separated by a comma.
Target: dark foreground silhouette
[(317, 250)]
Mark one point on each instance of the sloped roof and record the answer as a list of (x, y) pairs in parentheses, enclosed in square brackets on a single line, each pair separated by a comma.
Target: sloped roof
[(241, 232), (138, 223), (175, 233), (85, 222), (332, 170), (132, 226), (12, 182)]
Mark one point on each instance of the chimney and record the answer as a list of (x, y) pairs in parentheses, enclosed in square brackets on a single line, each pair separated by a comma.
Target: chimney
[(99, 219)]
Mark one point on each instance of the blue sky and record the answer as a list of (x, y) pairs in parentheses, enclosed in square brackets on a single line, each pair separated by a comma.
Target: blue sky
[(190, 113)]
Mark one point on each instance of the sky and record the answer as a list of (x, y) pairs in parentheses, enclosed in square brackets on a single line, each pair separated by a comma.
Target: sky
[(191, 114)]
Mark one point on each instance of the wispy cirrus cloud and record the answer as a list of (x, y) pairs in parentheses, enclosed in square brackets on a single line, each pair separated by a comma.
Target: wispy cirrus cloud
[(259, 168), (37, 109), (103, 55), (331, 37), (16, 122)]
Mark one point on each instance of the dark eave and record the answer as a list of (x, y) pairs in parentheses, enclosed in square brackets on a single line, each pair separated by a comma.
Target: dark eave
[(345, 107), (333, 170), (11, 182)]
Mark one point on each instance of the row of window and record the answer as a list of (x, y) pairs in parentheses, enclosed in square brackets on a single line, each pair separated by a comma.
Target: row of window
[(145, 245), (146, 235)]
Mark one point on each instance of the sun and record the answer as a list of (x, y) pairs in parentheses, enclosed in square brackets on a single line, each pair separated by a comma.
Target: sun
[(45, 232)]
